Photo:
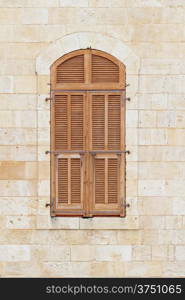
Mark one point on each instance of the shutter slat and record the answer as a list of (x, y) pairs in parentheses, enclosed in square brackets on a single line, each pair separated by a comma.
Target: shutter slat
[(71, 70), (98, 122), (114, 122), (61, 122), (77, 127), (104, 70)]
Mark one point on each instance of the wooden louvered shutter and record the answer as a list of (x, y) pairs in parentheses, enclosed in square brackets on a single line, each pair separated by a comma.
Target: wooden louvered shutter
[(69, 111), (107, 159), (87, 149)]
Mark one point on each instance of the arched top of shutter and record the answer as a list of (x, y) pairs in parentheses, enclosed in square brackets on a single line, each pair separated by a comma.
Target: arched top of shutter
[(87, 69)]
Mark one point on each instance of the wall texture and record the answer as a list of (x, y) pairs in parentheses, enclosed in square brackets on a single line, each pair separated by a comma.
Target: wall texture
[(148, 36)]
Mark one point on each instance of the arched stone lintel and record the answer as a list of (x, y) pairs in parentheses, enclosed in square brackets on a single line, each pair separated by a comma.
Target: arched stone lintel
[(83, 40)]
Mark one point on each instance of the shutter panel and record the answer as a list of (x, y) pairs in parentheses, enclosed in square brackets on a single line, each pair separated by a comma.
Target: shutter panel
[(69, 183), (69, 121), (71, 70), (104, 70), (69, 109), (106, 116)]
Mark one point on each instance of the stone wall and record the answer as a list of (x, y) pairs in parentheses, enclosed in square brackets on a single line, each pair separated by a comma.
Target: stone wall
[(148, 36)]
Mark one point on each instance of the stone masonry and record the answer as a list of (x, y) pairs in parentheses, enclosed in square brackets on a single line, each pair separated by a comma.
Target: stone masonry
[(148, 36)]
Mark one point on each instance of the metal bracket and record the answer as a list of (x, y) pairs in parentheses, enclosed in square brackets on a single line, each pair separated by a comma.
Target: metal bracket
[(128, 84), (128, 99), (48, 99), (47, 205)]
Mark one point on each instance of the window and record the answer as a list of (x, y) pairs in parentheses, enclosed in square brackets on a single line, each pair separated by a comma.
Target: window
[(87, 135)]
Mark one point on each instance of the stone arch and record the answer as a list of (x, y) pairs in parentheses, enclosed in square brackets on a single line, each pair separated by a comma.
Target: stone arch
[(83, 40)]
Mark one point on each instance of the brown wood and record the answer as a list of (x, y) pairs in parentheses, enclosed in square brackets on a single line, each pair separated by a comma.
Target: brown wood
[(86, 183)]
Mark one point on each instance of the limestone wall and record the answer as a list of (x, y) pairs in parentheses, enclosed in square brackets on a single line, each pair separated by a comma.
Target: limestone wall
[(148, 36)]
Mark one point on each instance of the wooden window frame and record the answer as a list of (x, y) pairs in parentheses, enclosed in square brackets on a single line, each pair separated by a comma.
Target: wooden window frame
[(87, 89)]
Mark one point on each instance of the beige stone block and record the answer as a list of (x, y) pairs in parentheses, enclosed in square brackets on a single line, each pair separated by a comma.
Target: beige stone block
[(152, 101), (42, 103), (131, 188), (178, 206), (129, 237), (180, 119), (164, 66), (18, 188), (175, 188), (113, 253), (151, 188), (160, 253), (144, 269), (162, 153), (102, 237), (158, 33), (166, 119), (25, 84), (158, 206), (133, 155), (44, 170), (132, 170), (132, 209), (44, 188), (23, 269), (176, 101), (17, 67), (178, 237), (20, 51), (15, 237), (25, 119), (6, 84), (171, 253), (162, 170), (130, 222), (107, 269), (152, 222), (67, 269), (10, 16), (44, 136), (147, 119), (176, 137), (74, 3), (18, 153), (174, 269), (141, 253), (35, 16), (150, 237), (180, 253), (82, 253), (44, 118), (24, 34), (42, 156), (12, 102), (131, 118), (18, 206), (107, 3), (46, 222), (50, 253), (152, 136), (173, 222), (14, 253), (43, 207), (20, 222), (43, 84), (29, 3), (131, 136), (18, 170), (18, 136)]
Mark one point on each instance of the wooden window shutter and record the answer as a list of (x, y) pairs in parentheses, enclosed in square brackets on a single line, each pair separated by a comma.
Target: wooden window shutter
[(88, 148)]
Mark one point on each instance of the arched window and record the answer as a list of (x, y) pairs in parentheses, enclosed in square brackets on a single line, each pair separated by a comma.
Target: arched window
[(87, 135)]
